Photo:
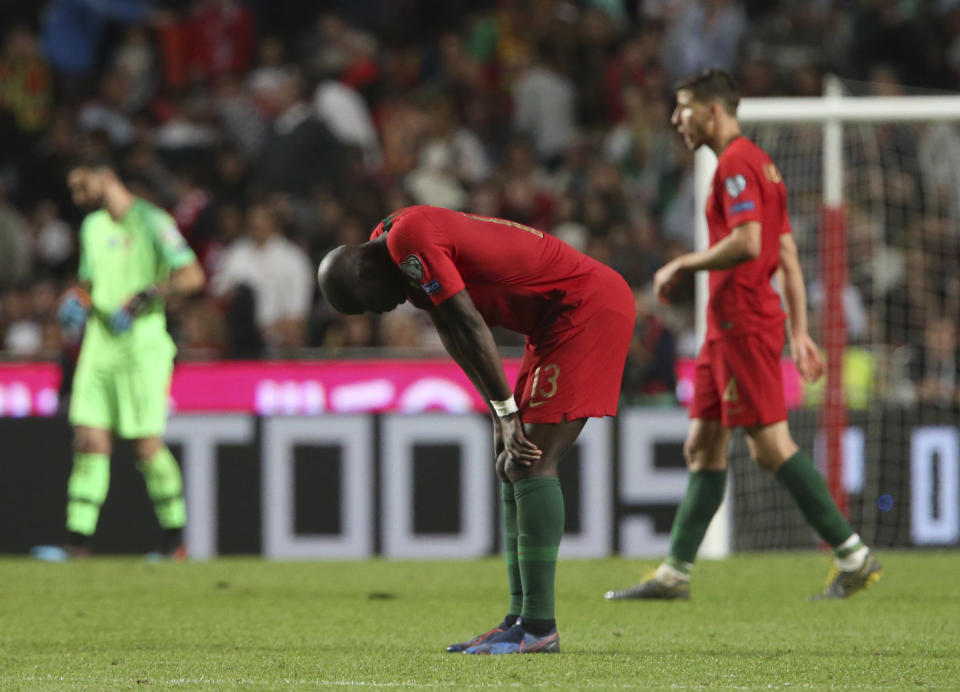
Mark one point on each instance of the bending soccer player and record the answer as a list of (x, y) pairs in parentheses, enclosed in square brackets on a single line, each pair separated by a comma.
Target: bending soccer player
[(132, 257), (738, 379), (473, 272)]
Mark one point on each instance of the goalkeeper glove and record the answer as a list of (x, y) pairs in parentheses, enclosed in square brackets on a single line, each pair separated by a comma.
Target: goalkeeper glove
[(74, 308), (122, 319)]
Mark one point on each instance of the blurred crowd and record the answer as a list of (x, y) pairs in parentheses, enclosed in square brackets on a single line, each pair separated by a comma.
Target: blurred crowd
[(273, 131)]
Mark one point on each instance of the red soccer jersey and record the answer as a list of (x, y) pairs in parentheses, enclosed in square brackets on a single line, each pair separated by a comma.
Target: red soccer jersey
[(746, 187), (518, 277)]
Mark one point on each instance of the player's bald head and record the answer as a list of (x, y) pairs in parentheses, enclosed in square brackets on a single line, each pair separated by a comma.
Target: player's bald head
[(339, 276), (361, 278)]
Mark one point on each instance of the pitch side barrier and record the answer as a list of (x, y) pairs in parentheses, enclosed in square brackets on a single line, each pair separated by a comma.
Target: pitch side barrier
[(415, 486)]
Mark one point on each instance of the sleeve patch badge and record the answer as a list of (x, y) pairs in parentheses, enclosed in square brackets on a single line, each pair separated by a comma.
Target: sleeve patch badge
[(745, 205), (734, 185), (431, 287), (172, 237), (412, 267)]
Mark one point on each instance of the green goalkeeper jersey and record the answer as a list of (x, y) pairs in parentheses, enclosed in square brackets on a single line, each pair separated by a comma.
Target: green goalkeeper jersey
[(119, 259)]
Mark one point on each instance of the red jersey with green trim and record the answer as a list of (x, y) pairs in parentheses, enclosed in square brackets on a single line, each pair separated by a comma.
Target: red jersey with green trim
[(746, 187), (518, 277)]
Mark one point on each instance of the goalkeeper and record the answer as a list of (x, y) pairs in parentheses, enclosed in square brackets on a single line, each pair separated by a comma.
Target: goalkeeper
[(132, 257)]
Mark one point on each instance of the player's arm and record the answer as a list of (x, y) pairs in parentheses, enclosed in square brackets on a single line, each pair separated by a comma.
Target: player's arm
[(742, 245), (790, 276), (468, 339), (183, 281)]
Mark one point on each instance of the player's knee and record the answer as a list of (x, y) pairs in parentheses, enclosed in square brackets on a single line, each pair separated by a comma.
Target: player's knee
[(770, 459), (703, 454), (770, 447), (695, 453), (147, 448), (89, 441)]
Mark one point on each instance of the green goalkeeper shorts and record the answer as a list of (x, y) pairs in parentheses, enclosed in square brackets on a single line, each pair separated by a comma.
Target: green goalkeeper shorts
[(130, 399)]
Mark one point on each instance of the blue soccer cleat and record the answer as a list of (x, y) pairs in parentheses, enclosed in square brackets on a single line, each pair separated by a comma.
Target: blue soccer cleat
[(49, 553), (56, 553), (460, 647), (516, 641)]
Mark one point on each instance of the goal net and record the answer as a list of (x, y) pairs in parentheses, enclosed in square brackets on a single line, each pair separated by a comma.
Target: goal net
[(875, 210)]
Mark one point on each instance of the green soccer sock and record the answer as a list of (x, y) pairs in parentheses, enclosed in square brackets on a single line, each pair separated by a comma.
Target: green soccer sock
[(510, 548), (808, 489), (165, 487), (86, 491), (701, 501), (540, 528)]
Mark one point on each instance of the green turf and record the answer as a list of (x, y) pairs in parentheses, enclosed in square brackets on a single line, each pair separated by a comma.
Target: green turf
[(249, 624)]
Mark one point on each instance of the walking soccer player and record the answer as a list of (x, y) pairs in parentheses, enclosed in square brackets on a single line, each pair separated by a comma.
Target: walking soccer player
[(472, 272), (738, 380), (132, 257)]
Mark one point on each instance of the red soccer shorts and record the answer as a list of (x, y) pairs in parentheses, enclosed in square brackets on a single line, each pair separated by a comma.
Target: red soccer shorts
[(578, 373), (738, 380)]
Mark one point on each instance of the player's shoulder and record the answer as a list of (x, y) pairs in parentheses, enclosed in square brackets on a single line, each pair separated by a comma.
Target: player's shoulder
[(96, 222), (417, 214), (416, 222), (744, 152), (153, 214)]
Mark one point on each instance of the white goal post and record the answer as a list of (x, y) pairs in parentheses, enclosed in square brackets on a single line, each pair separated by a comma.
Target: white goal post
[(832, 112)]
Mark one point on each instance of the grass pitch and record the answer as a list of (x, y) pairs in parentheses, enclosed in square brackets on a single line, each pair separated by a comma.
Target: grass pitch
[(248, 624)]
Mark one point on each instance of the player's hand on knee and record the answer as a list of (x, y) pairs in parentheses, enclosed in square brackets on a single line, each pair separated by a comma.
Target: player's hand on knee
[(515, 441), (74, 308)]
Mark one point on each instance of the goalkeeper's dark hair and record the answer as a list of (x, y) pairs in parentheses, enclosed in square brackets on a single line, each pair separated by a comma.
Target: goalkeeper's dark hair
[(713, 85), (99, 161)]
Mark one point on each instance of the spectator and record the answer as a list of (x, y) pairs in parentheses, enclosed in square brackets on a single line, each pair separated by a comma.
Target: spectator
[(567, 224), (936, 368), (23, 335), (15, 262), (240, 115), (46, 167), (854, 311), (707, 34), (341, 108), (26, 90), (137, 59), (650, 375), (400, 328), (279, 275), (52, 238), (143, 164), (545, 106), (187, 137), (221, 38), (107, 112), (349, 331), (299, 153), (335, 46), (72, 30), (202, 330), (270, 71)]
